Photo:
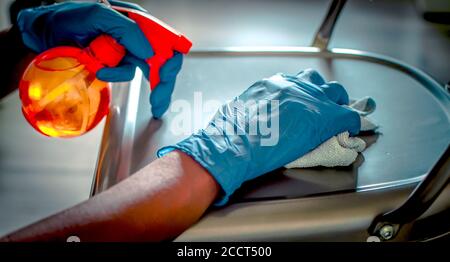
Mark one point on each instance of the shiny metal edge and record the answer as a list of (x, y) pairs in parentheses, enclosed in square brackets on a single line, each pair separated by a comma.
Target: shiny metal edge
[(115, 126), (118, 134), (391, 184)]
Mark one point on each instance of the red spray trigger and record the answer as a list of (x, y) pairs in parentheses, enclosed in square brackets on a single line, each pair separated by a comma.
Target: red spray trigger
[(163, 39), (60, 94), (106, 50)]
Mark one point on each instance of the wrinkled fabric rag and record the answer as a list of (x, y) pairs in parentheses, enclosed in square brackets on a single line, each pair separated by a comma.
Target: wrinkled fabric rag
[(340, 150)]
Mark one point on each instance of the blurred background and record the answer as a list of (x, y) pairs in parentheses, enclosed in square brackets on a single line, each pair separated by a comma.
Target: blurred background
[(39, 176)]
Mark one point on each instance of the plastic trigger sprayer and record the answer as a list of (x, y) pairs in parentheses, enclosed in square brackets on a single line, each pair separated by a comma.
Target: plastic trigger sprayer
[(61, 97)]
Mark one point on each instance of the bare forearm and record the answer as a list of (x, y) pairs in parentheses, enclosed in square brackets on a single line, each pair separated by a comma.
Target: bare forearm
[(158, 202)]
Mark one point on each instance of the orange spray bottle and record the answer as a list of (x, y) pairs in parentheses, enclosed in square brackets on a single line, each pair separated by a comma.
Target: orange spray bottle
[(61, 97)]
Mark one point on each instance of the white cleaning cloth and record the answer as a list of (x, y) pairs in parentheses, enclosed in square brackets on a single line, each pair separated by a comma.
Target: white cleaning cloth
[(340, 150)]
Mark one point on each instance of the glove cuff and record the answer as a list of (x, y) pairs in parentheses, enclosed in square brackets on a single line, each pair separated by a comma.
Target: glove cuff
[(209, 152)]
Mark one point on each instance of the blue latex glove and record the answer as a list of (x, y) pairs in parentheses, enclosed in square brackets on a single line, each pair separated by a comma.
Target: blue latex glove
[(309, 110), (78, 23)]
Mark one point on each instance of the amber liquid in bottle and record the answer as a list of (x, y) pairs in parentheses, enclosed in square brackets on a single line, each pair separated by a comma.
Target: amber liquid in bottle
[(61, 98)]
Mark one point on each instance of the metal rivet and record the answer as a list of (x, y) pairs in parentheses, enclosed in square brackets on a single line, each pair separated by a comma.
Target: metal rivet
[(387, 232)]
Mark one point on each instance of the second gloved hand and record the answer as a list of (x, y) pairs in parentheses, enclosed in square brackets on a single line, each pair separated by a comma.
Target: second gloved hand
[(299, 113), (78, 23)]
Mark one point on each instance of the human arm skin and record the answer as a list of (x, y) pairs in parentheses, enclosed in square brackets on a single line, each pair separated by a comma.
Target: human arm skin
[(156, 203)]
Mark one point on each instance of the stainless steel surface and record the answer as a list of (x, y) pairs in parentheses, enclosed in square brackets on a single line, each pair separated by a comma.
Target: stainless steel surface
[(393, 28), (323, 36), (406, 97), (120, 124), (340, 217)]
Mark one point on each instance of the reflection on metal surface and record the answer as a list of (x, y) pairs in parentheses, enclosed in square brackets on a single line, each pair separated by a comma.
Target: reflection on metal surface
[(115, 154), (263, 49), (386, 185), (129, 128)]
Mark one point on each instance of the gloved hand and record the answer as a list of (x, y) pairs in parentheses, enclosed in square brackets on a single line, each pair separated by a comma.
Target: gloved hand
[(78, 23), (308, 112)]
